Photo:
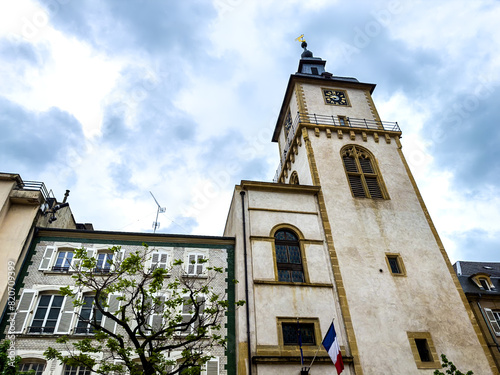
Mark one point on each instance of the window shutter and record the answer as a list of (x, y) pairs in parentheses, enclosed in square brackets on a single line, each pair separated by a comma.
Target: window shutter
[(47, 257), (117, 259), (366, 165), (199, 265), (357, 186), (213, 367), (66, 318), (350, 164), (493, 322), (157, 315), (163, 260), (373, 187), (154, 258), (191, 264), (113, 306), (24, 307), (90, 254)]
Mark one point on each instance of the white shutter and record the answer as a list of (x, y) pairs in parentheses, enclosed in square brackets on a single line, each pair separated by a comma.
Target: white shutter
[(493, 322), (191, 264), (199, 265), (113, 306), (157, 314), (153, 261), (24, 307), (187, 308), (163, 261), (90, 254), (47, 258), (67, 313), (212, 367), (117, 259)]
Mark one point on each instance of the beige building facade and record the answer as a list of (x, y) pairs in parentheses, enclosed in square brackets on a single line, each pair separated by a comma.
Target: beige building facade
[(43, 315), (343, 235), (481, 284), (24, 205)]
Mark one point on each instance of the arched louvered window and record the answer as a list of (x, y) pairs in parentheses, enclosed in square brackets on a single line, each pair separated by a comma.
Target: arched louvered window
[(288, 256), (362, 173), (294, 178)]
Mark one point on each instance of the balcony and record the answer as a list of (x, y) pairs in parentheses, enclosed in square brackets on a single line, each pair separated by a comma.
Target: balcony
[(323, 120), (34, 186)]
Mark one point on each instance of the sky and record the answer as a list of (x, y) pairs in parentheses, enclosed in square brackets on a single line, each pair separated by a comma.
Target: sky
[(115, 100)]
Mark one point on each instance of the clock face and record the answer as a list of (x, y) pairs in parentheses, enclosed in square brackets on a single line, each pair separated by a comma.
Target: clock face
[(335, 97)]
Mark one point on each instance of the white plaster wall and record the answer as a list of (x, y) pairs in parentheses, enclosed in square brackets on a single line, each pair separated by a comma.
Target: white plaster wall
[(315, 103), (263, 270), (263, 222), (282, 201), (384, 308), (290, 302), (318, 263)]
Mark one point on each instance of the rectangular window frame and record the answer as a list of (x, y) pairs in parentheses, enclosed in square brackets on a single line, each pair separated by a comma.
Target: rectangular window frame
[(196, 269), (33, 364), (70, 264), (399, 261), (493, 318), (343, 121), (88, 329), (187, 314), (44, 327), (434, 362), (296, 348)]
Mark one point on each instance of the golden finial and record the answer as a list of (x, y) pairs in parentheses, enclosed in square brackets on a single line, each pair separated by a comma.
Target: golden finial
[(300, 38)]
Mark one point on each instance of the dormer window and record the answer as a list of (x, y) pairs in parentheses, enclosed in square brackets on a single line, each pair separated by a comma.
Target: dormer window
[(483, 281)]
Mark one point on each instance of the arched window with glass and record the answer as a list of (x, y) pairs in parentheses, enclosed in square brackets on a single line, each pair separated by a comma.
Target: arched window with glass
[(288, 256)]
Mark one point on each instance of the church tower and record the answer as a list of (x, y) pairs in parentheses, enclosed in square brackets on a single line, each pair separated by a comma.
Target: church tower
[(343, 234)]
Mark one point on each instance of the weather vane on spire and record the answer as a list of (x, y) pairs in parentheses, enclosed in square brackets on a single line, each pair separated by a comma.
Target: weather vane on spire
[(300, 39), (306, 52)]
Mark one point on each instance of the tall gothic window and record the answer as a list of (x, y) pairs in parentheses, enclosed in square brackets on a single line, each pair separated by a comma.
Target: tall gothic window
[(361, 169), (288, 123), (288, 257)]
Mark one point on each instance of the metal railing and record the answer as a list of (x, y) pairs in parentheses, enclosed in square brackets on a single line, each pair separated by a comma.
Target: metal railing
[(341, 122), (35, 186)]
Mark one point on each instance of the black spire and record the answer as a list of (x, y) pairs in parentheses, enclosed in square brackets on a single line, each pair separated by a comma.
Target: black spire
[(308, 63), (306, 52)]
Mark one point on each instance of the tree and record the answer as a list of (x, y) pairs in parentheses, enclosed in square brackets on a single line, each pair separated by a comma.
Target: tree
[(10, 366), (138, 316), (451, 368)]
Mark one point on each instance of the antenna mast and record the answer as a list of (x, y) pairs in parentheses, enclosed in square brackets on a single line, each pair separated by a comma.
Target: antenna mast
[(156, 223)]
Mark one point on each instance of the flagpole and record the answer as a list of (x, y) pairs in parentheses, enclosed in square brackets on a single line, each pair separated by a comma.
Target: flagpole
[(317, 350)]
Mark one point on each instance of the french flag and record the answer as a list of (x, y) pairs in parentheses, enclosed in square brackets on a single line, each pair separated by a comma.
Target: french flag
[(331, 344)]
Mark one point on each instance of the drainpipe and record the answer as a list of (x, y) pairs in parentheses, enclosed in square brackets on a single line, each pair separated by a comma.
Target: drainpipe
[(488, 325), (242, 193)]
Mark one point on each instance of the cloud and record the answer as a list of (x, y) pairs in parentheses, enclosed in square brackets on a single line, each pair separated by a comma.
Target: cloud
[(136, 27), (35, 140), (470, 242)]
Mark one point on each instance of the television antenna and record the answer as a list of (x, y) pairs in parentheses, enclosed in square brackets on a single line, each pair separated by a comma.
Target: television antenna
[(156, 223)]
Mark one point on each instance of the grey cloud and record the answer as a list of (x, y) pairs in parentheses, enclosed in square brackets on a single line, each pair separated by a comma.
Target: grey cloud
[(32, 141), (478, 245), (147, 26), (21, 52), (462, 134)]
